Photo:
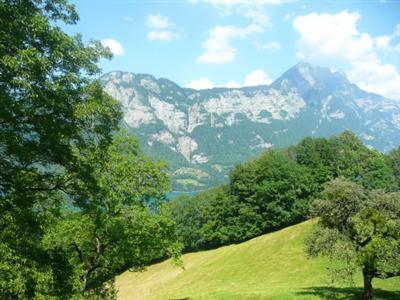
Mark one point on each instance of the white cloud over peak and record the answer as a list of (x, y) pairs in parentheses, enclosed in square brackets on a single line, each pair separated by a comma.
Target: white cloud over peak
[(333, 36), (114, 46), (335, 39), (162, 28), (232, 84), (218, 47), (200, 84), (257, 77), (373, 76)]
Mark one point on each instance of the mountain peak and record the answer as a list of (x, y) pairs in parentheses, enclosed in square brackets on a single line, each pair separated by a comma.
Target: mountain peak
[(302, 64), (305, 77), (306, 71)]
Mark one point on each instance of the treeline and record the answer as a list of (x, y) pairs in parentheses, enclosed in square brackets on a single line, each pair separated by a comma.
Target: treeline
[(276, 189)]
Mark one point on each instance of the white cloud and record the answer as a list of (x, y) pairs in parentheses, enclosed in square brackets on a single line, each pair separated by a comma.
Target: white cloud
[(270, 46), (335, 39), (389, 43), (200, 84), (162, 28), (257, 77), (382, 42), (162, 35), (258, 17), (232, 84), (127, 18), (373, 76), (218, 48), (158, 21), (253, 10), (114, 46), (332, 36)]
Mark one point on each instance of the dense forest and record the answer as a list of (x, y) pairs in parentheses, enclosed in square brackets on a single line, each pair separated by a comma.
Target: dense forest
[(276, 189), (80, 203)]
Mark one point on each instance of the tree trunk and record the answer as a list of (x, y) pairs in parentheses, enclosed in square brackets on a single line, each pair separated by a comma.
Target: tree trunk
[(367, 285)]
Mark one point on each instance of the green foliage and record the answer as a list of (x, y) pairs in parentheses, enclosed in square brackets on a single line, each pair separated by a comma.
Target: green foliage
[(276, 189), (196, 216), (317, 155), (46, 83), (221, 224), (72, 193), (393, 160), (340, 200), (265, 194), (358, 228), (188, 214), (114, 229), (345, 155)]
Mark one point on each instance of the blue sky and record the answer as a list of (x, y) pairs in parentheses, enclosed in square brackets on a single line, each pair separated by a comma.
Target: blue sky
[(234, 43)]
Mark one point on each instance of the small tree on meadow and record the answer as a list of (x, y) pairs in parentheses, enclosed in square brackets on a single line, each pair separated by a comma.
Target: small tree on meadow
[(358, 230)]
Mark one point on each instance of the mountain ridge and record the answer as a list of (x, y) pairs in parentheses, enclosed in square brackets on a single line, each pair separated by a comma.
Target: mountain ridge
[(203, 133)]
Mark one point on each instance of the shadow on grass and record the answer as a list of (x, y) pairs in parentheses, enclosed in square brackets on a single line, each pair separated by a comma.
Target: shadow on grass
[(334, 293)]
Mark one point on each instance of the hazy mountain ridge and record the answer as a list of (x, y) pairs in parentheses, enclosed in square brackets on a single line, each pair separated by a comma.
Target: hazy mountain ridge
[(202, 134)]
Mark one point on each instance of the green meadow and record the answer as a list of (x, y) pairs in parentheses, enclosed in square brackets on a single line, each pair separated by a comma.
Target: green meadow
[(272, 266)]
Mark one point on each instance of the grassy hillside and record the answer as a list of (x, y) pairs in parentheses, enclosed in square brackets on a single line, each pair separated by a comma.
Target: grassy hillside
[(272, 266)]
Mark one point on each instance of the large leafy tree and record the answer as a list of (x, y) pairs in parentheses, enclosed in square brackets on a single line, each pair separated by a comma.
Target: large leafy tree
[(56, 128), (119, 226), (274, 188), (359, 230)]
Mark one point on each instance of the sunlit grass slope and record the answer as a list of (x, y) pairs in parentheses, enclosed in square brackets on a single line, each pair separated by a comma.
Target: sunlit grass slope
[(272, 266)]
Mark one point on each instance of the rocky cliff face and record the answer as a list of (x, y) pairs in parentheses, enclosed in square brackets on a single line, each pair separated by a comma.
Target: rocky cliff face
[(202, 134)]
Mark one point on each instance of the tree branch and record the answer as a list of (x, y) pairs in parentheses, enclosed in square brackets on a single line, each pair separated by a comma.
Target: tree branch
[(78, 250)]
